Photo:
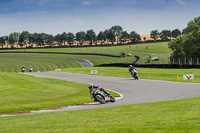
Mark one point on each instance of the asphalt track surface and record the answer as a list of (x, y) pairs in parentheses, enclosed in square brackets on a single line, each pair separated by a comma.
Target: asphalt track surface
[(133, 91)]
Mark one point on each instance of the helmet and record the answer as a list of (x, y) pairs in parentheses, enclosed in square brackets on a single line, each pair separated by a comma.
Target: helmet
[(131, 66), (90, 85)]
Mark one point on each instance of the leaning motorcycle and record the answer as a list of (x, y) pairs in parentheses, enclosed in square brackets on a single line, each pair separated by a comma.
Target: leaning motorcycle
[(134, 74), (101, 96)]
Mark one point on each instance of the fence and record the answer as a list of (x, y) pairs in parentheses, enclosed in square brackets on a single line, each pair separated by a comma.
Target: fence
[(185, 61)]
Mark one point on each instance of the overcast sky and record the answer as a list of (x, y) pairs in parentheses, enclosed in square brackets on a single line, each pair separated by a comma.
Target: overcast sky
[(58, 16)]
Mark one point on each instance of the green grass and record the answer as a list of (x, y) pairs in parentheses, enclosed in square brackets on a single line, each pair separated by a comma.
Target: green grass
[(14, 64), (18, 90), (95, 59), (144, 73), (159, 49), (22, 93), (177, 116)]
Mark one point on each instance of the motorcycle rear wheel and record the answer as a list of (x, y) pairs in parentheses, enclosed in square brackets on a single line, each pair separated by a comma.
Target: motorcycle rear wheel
[(100, 99)]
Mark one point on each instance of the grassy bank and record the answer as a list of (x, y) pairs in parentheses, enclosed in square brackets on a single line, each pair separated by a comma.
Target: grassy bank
[(159, 49), (14, 64), (23, 93), (144, 73), (175, 116)]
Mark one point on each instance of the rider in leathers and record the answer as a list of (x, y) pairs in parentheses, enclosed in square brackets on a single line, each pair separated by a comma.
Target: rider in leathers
[(131, 68), (90, 86)]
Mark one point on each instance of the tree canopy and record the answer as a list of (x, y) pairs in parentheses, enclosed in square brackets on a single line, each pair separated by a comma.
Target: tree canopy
[(188, 44)]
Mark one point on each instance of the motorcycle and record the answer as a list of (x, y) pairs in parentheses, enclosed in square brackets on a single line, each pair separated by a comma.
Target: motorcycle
[(30, 69), (23, 69), (134, 74), (100, 96)]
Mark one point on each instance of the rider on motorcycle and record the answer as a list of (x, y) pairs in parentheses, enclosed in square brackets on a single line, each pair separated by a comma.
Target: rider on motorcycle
[(30, 69), (90, 86), (131, 68)]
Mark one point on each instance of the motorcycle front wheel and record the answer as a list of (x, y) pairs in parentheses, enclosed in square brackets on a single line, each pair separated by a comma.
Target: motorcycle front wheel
[(112, 99)]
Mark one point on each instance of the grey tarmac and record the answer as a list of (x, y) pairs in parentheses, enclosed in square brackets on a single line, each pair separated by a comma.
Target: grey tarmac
[(133, 91)]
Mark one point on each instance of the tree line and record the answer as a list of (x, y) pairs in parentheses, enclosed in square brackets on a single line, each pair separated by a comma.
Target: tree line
[(187, 45), (115, 34), (165, 34)]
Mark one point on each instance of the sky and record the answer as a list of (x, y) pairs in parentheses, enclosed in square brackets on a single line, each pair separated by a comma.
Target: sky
[(58, 16)]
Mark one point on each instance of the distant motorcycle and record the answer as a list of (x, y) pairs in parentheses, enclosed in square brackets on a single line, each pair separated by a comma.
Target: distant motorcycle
[(23, 69), (30, 69), (101, 96), (134, 74)]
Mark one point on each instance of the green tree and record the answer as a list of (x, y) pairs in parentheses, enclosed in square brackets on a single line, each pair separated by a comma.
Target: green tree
[(58, 39), (134, 37), (144, 38), (23, 38), (192, 26), (50, 40), (176, 33), (64, 37), (41, 39), (80, 37), (154, 34), (70, 38), (3, 40), (111, 35), (106, 33), (91, 36), (31, 38), (117, 30), (165, 34), (101, 37), (125, 36), (188, 44), (13, 38)]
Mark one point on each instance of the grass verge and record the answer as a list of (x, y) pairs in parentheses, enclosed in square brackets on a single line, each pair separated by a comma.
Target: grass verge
[(24, 93), (14, 64), (175, 116), (159, 49), (144, 73)]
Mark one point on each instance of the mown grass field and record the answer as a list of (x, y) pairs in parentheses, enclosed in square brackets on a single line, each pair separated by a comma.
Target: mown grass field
[(96, 60), (143, 73), (22, 93), (14, 64), (177, 116), (159, 49)]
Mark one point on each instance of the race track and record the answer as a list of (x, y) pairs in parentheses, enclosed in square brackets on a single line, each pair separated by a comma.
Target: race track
[(133, 91), (83, 62)]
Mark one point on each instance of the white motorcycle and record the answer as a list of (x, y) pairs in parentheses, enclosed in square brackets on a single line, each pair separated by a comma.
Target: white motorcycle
[(134, 74)]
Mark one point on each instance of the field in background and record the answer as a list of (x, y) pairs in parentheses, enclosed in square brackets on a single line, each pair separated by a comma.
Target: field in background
[(154, 50), (14, 64)]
